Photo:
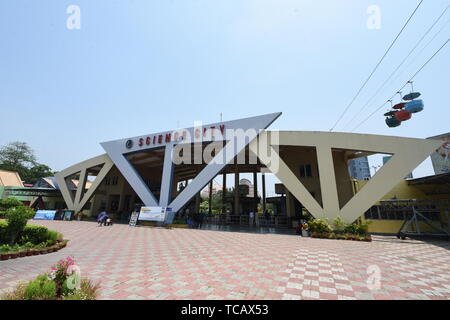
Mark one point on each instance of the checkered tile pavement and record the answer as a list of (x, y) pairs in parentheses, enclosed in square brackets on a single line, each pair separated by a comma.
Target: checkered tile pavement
[(154, 263)]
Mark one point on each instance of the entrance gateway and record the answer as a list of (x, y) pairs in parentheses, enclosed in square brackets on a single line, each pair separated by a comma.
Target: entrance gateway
[(148, 168)]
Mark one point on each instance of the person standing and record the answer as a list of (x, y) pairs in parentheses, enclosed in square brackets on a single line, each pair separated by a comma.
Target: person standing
[(251, 218), (201, 216), (267, 217)]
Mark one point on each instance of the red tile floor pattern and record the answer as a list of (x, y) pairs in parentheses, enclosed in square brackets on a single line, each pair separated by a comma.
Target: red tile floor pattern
[(156, 263)]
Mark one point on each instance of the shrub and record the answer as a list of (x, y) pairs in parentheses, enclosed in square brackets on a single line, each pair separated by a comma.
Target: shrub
[(319, 226), (3, 232), (5, 248), (7, 204), (17, 220), (87, 291), (179, 221), (363, 229), (357, 229), (40, 289), (36, 234), (339, 225)]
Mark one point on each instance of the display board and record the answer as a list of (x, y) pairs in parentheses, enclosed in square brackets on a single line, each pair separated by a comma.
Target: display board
[(45, 215), (134, 219), (153, 213), (68, 215)]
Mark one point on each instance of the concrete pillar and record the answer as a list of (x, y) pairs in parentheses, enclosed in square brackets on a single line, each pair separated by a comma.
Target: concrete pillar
[(290, 205), (197, 202), (236, 191)]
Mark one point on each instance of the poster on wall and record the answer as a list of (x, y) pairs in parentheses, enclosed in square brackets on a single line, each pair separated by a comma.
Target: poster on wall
[(45, 215), (153, 214), (441, 158)]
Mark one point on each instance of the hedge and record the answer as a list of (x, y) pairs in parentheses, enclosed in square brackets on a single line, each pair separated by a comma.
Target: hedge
[(31, 233)]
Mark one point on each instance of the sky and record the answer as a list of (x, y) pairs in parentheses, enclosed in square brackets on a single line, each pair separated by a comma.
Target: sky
[(137, 67)]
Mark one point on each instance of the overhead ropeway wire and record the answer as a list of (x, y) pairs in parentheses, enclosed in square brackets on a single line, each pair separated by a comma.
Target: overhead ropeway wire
[(377, 66), (399, 66), (409, 81), (423, 49)]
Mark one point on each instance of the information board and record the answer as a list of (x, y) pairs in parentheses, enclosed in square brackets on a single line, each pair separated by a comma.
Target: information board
[(45, 215), (153, 214), (134, 219), (68, 215)]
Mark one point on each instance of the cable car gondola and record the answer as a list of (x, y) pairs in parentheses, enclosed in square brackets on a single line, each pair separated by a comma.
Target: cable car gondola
[(392, 122), (399, 106), (390, 113), (412, 96), (403, 115), (414, 106)]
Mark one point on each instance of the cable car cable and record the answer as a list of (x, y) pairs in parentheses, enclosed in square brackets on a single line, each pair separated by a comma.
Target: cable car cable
[(377, 66), (398, 67), (423, 49), (418, 71)]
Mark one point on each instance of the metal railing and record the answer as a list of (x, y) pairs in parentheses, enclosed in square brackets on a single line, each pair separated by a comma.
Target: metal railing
[(245, 220)]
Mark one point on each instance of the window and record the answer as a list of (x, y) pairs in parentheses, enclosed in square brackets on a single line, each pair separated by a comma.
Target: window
[(305, 171), (401, 213)]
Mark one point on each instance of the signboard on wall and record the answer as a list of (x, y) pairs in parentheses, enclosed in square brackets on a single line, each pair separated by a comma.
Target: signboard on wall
[(153, 213), (441, 158), (45, 215)]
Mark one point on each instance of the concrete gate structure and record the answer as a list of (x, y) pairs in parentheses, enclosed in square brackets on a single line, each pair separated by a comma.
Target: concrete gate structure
[(277, 151)]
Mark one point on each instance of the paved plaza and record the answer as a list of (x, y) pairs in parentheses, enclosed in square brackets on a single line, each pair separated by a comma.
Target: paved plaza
[(157, 263)]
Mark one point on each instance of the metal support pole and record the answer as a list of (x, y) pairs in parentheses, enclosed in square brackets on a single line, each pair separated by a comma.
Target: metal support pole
[(264, 191), (236, 191), (210, 198), (224, 190), (255, 191)]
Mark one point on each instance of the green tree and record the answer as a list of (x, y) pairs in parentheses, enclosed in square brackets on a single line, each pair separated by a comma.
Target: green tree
[(39, 171), (18, 156)]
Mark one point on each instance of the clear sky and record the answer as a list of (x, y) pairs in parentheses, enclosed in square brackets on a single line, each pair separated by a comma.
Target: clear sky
[(141, 66)]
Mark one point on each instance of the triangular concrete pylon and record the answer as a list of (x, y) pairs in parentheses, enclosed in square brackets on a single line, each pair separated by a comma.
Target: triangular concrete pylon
[(117, 150)]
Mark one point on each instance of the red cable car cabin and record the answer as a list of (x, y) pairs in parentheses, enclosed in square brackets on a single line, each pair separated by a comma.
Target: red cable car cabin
[(402, 115)]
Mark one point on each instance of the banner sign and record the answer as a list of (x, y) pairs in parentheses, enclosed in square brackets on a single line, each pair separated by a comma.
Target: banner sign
[(153, 213), (134, 219), (441, 158), (45, 215)]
